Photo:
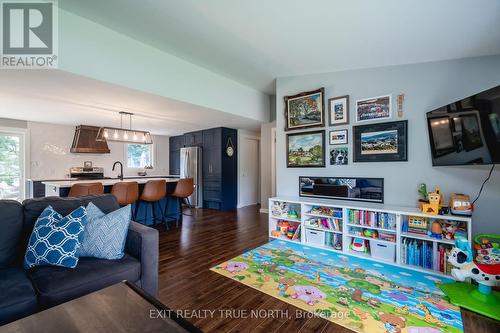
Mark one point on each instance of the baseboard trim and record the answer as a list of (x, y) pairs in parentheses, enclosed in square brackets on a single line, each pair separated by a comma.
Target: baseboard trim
[(264, 211)]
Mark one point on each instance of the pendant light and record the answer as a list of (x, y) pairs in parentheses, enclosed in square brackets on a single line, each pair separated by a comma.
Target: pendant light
[(123, 134)]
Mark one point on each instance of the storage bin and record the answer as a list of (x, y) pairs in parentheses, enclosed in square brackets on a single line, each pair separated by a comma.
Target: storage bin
[(382, 250), (315, 237)]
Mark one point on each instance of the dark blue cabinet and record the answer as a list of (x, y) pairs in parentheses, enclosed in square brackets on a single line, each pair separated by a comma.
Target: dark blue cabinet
[(220, 171), (193, 139), (175, 145)]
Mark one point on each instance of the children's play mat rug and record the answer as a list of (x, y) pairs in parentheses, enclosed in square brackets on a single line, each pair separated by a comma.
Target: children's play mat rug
[(360, 294)]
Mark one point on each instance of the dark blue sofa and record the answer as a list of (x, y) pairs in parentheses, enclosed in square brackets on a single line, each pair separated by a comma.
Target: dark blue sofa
[(23, 292)]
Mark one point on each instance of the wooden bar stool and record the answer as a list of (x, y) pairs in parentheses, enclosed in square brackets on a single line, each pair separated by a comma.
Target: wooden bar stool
[(183, 190), (126, 193), (153, 192), (84, 189)]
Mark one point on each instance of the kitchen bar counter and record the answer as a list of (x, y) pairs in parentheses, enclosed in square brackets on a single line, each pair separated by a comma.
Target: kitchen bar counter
[(60, 188), (105, 181), (168, 204)]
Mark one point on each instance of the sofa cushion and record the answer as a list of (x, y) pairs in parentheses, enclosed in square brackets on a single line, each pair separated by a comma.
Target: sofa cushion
[(105, 234), (34, 207), (17, 296), (55, 239), (11, 223), (56, 285)]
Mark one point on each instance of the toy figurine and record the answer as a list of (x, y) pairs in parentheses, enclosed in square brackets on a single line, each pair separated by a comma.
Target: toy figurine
[(449, 231), (422, 190), (435, 202), (293, 214), (359, 245), (460, 204), (283, 227), (370, 233), (436, 230)]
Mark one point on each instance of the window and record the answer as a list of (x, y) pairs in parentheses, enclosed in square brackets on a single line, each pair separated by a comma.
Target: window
[(11, 166), (139, 156)]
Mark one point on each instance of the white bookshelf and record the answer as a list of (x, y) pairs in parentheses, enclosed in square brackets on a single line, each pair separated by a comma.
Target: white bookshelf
[(347, 226)]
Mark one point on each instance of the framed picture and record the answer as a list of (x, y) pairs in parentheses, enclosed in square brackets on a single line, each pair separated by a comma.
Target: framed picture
[(305, 110), (338, 137), (471, 132), (442, 141), (468, 103), (339, 156), (384, 142), (305, 150), (374, 108), (338, 109)]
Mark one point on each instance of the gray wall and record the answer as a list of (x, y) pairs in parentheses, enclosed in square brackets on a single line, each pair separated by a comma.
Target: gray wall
[(266, 173), (4, 122), (426, 87)]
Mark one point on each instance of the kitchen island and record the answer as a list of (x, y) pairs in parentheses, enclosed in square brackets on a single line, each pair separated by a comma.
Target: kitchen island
[(145, 214), (60, 188)]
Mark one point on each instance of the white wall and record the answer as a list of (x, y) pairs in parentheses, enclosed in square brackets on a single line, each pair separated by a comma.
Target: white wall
[(51, 157), (243, 135), (266, 172), (426, 87)]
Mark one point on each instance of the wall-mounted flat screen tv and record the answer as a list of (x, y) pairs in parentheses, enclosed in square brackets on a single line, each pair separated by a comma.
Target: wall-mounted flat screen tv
[(345, 188), (466, 131)]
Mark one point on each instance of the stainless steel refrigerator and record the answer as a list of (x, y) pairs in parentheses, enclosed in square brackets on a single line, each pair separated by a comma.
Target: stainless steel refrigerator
[(191, 167)]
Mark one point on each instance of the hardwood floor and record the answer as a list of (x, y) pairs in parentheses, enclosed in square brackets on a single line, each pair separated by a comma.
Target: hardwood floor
[(209, 238)]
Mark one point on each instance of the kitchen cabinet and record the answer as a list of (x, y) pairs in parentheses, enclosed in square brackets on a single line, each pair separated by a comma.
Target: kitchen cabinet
[(193, 139), (219, 170), (175, 145)]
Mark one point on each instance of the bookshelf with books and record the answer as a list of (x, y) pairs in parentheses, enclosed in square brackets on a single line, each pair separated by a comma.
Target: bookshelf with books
[(398, 235)]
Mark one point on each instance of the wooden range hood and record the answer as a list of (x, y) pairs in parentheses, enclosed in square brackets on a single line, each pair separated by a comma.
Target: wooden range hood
[(85, 142)]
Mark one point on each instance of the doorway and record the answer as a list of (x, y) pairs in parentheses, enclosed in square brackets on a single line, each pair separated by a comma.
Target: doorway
[(12, 164), (249, 171)]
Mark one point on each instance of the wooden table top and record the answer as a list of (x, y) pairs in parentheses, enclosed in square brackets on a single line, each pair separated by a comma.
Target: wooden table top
[(120, 308)]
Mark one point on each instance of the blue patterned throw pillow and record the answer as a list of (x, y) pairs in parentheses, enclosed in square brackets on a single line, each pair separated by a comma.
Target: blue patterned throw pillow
[(55, 239), (105, 235)]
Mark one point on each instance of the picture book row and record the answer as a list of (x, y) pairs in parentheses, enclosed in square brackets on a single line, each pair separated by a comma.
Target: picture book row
[(438, 229), (423, 254), (324, 223), (372, 219)]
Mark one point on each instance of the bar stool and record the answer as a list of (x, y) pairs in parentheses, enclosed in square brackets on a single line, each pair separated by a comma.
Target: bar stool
[(153, 192), (84, 189), (183, 190), (126, 193)]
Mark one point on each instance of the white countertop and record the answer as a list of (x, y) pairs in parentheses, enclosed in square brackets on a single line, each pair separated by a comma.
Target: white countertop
[(105, 182)]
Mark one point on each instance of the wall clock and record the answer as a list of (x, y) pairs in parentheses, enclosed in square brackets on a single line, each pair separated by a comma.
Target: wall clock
[(229, 148)]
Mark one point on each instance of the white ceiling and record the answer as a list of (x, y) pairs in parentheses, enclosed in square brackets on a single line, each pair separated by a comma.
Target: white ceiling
[(59, 97), (256, 41)]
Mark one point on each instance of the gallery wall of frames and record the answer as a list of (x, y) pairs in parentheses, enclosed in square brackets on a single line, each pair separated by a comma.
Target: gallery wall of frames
[(373, 135)]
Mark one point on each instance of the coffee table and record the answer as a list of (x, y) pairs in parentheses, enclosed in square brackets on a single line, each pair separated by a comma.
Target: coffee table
[(122, 307)]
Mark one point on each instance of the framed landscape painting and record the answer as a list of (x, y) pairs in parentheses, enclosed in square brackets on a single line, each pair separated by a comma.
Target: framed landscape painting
[(338, 108), (305, 110), (305, 150), (375, 108), (384, 142)]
